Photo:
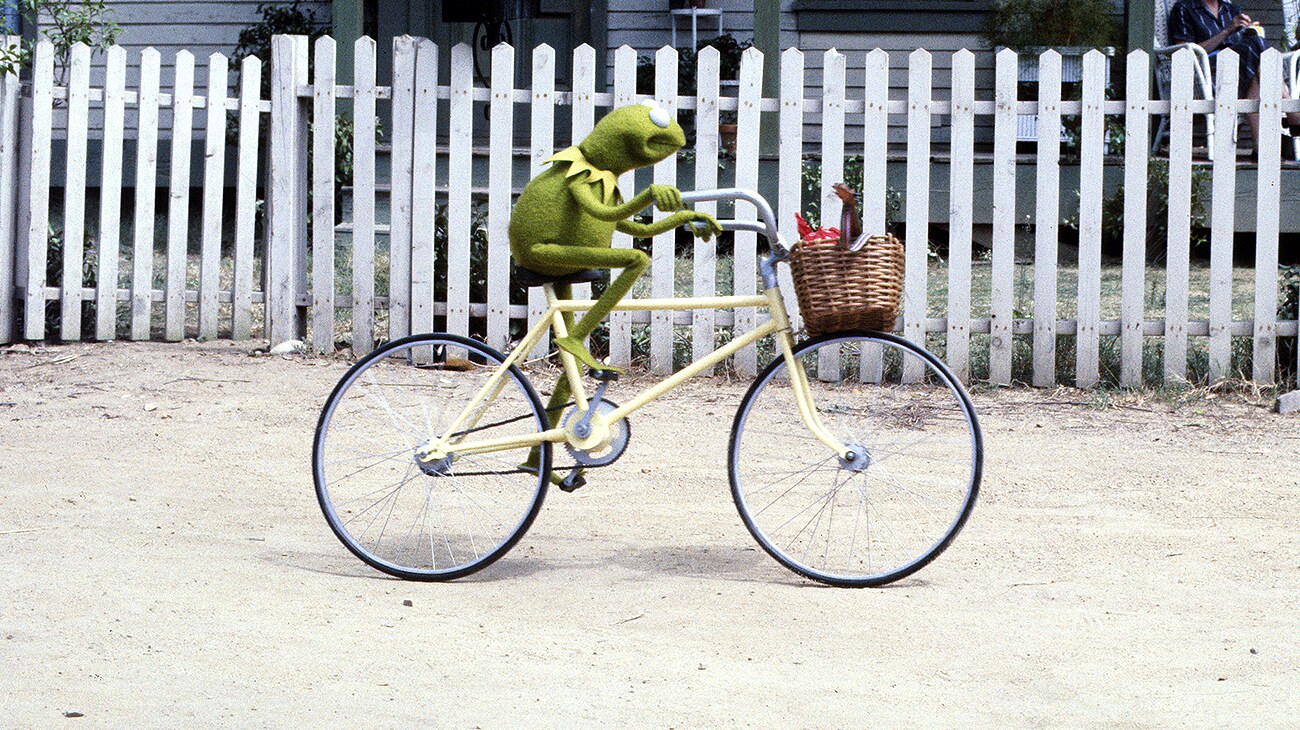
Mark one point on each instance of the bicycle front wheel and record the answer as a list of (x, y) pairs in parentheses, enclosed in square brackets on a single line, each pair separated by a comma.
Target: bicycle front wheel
[(410, 516), (905, 494)]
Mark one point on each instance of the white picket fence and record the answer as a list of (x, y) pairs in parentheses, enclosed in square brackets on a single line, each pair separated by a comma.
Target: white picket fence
[(228, 298)]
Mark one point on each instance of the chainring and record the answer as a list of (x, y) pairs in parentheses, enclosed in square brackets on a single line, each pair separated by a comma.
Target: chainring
[(620, 433)]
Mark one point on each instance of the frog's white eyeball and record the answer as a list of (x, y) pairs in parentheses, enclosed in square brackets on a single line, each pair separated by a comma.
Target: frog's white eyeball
[(658, 114), (660, 117)]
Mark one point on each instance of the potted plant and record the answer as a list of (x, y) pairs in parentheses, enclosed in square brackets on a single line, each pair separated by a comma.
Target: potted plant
[(727, 130), (730, 52)]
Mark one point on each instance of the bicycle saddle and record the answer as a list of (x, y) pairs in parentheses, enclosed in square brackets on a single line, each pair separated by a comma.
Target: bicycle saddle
[(530, 278)]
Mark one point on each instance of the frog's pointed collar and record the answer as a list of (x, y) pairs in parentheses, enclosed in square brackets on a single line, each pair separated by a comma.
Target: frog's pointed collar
[(578, 164)]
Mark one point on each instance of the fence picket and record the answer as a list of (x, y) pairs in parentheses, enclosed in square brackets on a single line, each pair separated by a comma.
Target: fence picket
[(322, 199), (38, 199), (241, 295), (1003, 264), (1268, 191), (424, 167), (875, 175), (287, 196), (915, 299), (23, 208), (542, 121), (1223, 194), (364, 96), (501, 126), (214, 183), (10, 89), (178, 198), (663, 249), (745, 265), (620, 323), (790, 167), (542, 133), (460, 177), (74, 198), (961, 205), (583, 119), (1180, 216), (1087, 339), (1048, 217), (834, 68), (146, 182), (1137, 124), (705, 276), (401, 187), (110, 194)]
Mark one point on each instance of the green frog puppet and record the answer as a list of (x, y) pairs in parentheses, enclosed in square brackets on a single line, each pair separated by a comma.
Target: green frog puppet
[(564, 221)]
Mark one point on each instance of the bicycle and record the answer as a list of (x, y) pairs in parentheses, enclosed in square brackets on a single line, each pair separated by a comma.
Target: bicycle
[(854, 459)]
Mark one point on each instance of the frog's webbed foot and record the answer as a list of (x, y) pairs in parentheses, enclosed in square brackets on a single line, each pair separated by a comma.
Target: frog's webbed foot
[(574, 346)]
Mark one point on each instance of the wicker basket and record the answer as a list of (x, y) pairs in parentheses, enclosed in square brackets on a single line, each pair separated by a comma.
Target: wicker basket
[(844, 288)]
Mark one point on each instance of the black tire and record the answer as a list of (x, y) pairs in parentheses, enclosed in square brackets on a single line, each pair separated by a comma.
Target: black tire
[(425, 521), (921, 474)]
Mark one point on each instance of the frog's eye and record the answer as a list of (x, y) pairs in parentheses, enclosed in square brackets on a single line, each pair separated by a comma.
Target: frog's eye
[(660, 117)]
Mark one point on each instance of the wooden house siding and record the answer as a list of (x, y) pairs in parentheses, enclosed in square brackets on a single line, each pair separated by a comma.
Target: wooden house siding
[(646, 25), (898, 45), (202, 28)]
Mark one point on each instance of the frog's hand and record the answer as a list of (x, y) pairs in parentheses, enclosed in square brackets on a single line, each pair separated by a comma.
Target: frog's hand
[(709, 226), (667, 198)]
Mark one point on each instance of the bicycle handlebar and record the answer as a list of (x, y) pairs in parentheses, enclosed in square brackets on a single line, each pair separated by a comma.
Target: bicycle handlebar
[(766, 225)]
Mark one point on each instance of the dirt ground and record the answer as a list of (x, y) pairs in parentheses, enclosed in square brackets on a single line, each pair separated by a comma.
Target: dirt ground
[(166, 564)]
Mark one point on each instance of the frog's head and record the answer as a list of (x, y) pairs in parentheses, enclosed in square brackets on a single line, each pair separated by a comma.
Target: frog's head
[(633, 136)]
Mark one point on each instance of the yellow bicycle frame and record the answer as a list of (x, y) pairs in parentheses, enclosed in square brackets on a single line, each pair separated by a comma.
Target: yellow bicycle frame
[(778, 325)]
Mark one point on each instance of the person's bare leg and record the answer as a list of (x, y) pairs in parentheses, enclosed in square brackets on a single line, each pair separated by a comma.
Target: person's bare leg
[(1252, 118), (1292, 118)]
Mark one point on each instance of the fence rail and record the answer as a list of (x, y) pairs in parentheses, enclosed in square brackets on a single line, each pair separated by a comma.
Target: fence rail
[(319, 273)]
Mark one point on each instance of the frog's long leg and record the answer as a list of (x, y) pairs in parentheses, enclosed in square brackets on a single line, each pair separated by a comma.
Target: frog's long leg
[(633, 263)]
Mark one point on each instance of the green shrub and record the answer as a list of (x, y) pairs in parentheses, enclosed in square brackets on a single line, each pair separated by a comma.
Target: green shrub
[(63, 23), (1020, 24), (1112, 210), (811, 192)]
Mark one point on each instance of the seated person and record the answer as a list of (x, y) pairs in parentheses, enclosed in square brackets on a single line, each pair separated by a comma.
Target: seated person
[(1218, 24)]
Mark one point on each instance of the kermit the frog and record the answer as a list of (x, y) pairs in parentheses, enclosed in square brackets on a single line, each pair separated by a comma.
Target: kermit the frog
[(564, 221), (565, 218)]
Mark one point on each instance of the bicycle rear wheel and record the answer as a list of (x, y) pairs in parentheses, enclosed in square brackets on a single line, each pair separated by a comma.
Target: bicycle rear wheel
[(427, 520), (903, 498)]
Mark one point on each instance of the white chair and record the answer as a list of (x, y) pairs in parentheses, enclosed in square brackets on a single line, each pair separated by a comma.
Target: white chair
[(1290, 41), (1203, 86)]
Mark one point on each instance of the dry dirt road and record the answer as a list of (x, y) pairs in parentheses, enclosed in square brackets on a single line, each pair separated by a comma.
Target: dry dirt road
[(166, 564)]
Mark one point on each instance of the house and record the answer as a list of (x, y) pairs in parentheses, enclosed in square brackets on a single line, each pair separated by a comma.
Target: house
[(853, 27)]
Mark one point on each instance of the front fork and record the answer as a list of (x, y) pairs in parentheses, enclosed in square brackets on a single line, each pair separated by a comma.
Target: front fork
[(799, 379)]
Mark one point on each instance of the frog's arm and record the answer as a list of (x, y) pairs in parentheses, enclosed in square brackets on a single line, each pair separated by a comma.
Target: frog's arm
[(681, 217), (585, 194)]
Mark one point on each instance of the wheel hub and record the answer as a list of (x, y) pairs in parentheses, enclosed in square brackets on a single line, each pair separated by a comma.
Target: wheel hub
[(856, 460), (434, 467), (433, 458)]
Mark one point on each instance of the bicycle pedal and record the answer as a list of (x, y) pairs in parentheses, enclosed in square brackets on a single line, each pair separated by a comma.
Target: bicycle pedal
[(606, 376), (573, 481)]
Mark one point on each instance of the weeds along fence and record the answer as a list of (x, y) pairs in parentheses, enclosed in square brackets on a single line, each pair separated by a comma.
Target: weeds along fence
[(298, 267)]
